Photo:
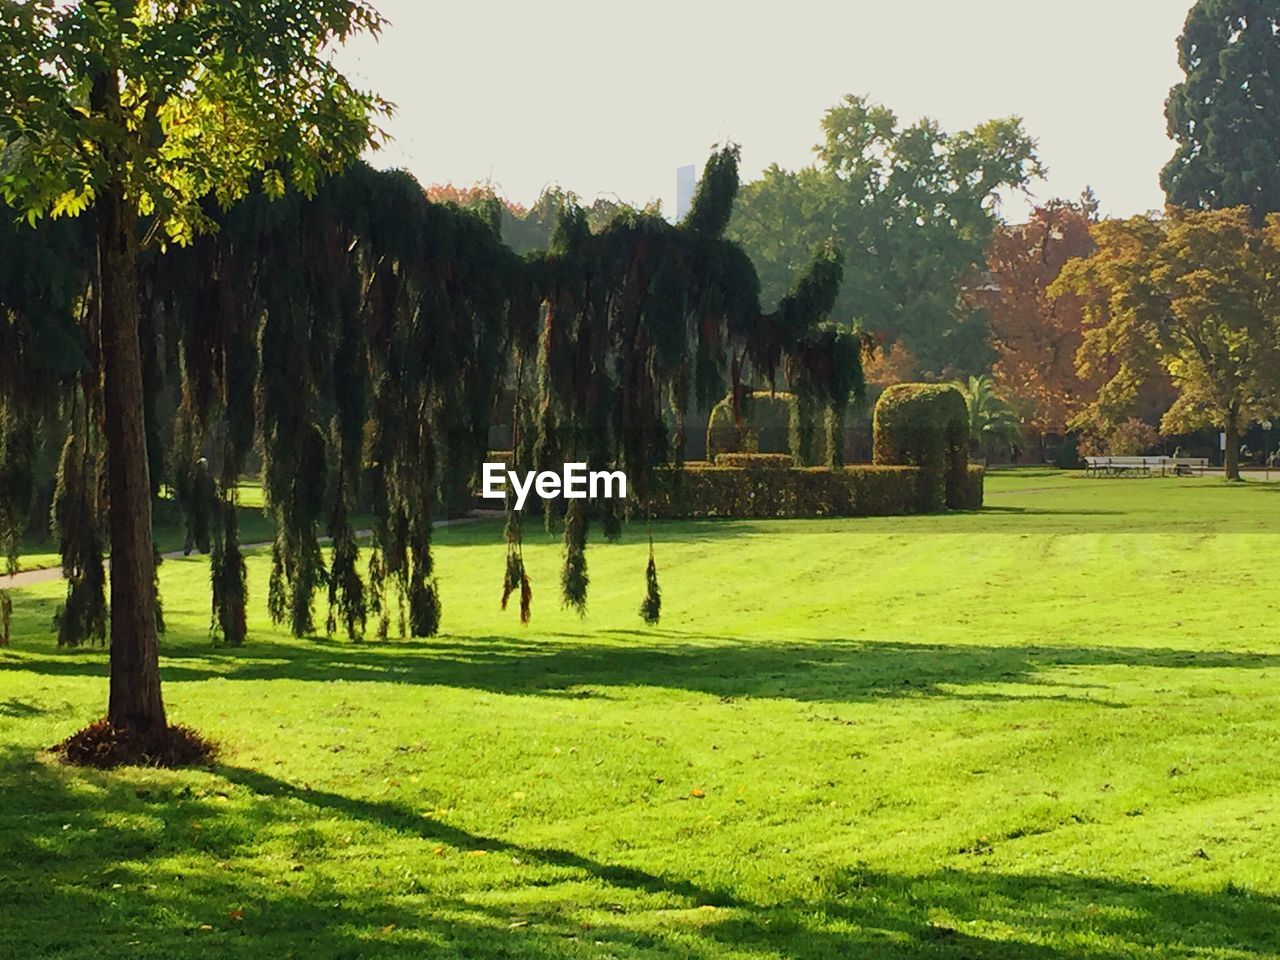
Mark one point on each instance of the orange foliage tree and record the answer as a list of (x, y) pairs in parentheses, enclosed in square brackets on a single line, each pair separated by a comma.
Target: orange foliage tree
[(1035, 336)]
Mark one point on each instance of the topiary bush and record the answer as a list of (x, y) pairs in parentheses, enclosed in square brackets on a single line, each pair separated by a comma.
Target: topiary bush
[(926, 425), (755, 461), (733, 492), (766, 425), (973, 488)]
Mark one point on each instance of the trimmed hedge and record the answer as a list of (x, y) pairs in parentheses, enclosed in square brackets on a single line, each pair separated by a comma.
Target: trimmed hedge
[(761, 486), (732, 492), (755, 461), (766, 425), (927, 425), (974, 487)]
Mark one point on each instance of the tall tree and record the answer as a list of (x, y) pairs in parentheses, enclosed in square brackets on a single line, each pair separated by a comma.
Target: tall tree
[(913, 209), (1036, 336), (142, 110), (994, 427), (1225, 116), (1195, 292), (644, 319)]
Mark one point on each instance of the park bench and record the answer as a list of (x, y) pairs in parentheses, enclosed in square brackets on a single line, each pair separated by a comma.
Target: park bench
[(1126, 466), (1186, 466)]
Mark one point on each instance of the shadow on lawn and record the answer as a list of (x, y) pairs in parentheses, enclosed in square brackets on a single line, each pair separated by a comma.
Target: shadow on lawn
[(139, 866), (727, 667)]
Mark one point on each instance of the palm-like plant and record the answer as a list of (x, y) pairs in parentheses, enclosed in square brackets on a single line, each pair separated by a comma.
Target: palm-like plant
[(994, 427)]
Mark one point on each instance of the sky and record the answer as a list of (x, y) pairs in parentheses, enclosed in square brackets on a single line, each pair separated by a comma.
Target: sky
[(608, 98)]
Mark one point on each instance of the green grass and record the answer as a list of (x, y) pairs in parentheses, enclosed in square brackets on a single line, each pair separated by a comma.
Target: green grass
[(1043, 731)]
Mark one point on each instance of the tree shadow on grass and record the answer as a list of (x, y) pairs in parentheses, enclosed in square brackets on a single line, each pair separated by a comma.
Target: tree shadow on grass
[(832, 670), (125, 864)]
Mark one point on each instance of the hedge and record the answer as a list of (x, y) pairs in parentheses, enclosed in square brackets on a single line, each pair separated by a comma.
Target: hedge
[(926, 425), (755, 461), (763, 486), (973, 488), (766, 425), (733, 492)]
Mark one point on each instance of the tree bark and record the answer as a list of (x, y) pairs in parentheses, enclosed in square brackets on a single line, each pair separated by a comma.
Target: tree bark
[(1231, 456), (135, 700)]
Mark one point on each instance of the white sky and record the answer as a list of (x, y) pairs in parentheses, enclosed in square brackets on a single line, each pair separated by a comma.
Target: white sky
[(608, 97)]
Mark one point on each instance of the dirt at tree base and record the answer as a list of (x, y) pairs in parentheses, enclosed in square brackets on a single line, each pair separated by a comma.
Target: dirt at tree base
[(104, 745)]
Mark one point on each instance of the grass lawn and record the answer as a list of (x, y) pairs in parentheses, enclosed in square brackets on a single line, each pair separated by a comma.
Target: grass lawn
[(1048, 730)]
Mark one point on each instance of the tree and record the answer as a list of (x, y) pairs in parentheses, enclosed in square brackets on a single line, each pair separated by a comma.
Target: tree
[(1195, 293), (144, 111), (643, 319), (913, 209), (1225, 116), (993, 425), (1036, 336)]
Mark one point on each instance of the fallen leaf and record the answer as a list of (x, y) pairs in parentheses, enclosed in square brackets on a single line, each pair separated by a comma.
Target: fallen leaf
[(235, 914), (697, 792)]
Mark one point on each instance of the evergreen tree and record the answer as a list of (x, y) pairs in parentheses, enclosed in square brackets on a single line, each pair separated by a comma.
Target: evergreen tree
[(1225, 116)]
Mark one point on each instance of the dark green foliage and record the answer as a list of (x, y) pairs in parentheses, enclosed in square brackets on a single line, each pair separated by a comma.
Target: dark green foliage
[(193, 485), (755, 461), (573, 578), (762, 423), (1225, 116), (713, 199), (1067, 455), (229, 580), (17, 463), (926, 425), (972, 494), (643, 318), (44, 296), (651, 606), (697, 492), (156, 599), (82, 618)]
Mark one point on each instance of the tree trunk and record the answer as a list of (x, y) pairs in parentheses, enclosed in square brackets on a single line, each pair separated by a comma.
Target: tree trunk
[(1231, 456), (135, 700)]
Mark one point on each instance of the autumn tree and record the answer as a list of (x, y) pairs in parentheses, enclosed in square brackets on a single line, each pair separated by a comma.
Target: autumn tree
[(913, 209), (1036, 336), (143, 111), (1225, 116), (1195, 293)]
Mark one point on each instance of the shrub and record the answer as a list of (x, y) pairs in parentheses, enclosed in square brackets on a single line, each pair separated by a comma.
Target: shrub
[(973, 488), (766, 424), (771, 423), (926, 425), (755, 461), (1129, 438), (1067, 454), (718, 491)]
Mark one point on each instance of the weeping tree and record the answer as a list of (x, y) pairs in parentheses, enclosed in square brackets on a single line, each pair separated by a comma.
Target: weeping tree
[(49, 413), (141, 110), (358, 337), (639, 321)]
